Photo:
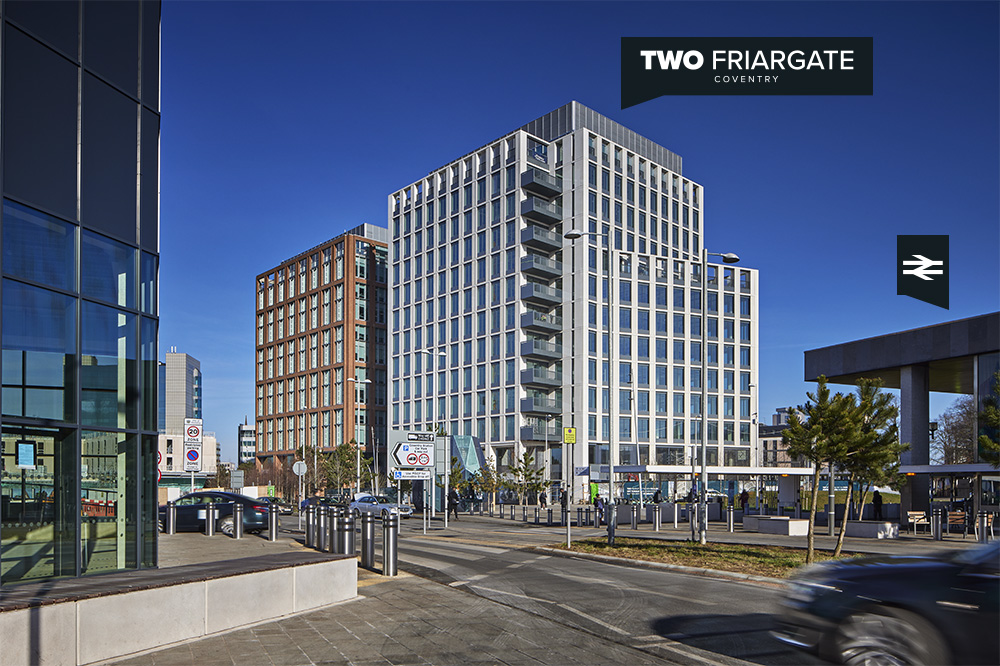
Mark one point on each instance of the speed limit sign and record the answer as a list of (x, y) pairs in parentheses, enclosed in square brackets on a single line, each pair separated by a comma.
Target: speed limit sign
[(192, 431)]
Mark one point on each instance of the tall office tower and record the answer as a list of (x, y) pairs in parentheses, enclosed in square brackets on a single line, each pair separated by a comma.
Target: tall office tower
[(80, 118), (509, 325), (246, 438), (180, 384), (321, 341)]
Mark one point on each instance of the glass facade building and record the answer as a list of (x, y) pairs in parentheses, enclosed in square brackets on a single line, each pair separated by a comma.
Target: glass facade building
[(78, 302)]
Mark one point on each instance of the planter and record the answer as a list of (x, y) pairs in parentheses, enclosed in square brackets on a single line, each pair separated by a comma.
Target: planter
[(872, 529)]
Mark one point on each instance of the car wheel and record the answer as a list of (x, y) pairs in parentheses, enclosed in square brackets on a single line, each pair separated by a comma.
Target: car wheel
[(889, 636), (226, 526)]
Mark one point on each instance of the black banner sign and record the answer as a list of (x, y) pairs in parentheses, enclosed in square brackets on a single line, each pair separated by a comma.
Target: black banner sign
[(922, 268), (656, 66)]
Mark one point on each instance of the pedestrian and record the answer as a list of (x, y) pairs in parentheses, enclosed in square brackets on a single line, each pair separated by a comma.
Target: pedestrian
[(563, 499), (599, 507), (657, 497), (453, 500), (541, 499), (877, 505), (744, 500)]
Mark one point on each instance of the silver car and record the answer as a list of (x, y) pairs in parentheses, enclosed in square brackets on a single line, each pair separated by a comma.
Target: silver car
[(378, 505)]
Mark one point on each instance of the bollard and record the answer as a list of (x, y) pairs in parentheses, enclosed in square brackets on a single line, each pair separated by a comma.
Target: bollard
[(729, 517), (524, 514), (549, 521), (333, 529), (936, 523), (536, 515), (272, 525), (691, 519), (656, 517), (579, 516), (368, 541), (635, 516), (210, 520), (310, 542), (237, 520), (349, 545), (983, 526), (425, 519), (323, 529), (171, 518), (675, 514), (512, 512), (390, 533)]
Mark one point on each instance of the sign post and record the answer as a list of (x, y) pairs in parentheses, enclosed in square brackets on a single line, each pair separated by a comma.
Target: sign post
[(569, 439), (413, 450), (192, 447), (299, 468)]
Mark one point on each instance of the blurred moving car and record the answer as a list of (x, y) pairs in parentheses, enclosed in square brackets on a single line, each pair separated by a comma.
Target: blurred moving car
[(316, 501), (284, 508), (193, 507), (932, 609), (378, 505)]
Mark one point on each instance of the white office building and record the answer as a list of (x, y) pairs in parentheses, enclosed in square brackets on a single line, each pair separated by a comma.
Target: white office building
[(504, 328)]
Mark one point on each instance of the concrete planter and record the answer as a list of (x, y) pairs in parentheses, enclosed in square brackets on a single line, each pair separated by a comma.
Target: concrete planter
[(776, 525), (872, 529)]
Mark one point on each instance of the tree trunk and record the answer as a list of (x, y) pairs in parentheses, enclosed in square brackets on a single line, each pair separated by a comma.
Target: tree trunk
[(811, 539), (843, 525)]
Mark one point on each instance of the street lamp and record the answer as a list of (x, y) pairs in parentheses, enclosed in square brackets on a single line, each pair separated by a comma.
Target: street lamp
[(572, 235), (357, 447), (727, 258)]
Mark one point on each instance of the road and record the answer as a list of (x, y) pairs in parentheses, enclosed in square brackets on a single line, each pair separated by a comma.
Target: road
[(680, 617)]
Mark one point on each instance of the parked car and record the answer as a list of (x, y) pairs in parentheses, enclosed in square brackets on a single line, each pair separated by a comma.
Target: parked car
[(901, 609), (378, 505), (316, 501), (284, 508), (193, 507)]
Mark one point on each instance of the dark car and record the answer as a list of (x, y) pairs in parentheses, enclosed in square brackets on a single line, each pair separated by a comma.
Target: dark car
[(192, 509), (930, 609), (284, 508)]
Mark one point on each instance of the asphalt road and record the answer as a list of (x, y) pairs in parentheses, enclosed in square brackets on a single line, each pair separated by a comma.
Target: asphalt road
[(681, 617)]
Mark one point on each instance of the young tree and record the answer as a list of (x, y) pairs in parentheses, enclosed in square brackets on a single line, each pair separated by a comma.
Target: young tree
[(487, 480), (989, 441), (339, 466), (820, 439)]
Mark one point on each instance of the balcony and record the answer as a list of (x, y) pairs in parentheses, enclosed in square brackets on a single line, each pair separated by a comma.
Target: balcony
[(541, 349), (540, 266), (541, 406), (541, 239), (539, 210), (541, 183), (541, 377), (541, 434), (541, 294), (540, 321)]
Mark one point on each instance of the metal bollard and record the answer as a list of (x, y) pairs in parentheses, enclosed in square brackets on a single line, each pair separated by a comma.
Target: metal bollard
[(368, 541), (729, 517), (536, 515), (333, 529), (349, 546), (272, 523), (936, 523), (676, 511), (171, 525), (579, 516), (210, 520), (691, 519), (524, 514), (983, 527), (512, 512), (237, 520), (390, 534), (635, 517), (310, 534), (656, 517), (549, 521), (323, 529)]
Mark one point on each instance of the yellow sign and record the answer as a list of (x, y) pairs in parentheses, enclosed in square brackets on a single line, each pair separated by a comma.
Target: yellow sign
[(569, 435)]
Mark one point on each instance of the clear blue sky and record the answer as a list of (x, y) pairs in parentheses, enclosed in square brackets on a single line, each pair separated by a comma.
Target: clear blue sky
[(286, 123)]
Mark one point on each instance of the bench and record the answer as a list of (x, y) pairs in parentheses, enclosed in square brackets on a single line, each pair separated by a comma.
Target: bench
[(958, 518), (989, 525), (915, 518)]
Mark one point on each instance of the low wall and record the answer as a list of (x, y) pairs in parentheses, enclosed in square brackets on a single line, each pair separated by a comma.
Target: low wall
[(872, 529), (776, 525), (88, 630)]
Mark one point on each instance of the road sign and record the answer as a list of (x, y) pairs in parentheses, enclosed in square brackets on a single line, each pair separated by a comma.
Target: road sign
[(237, 479), (192, 457), (192, 431), (411, 474), (299, 468), (412, 449), (569, 435)]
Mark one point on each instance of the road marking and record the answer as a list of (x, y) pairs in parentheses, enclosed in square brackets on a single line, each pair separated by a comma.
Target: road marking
[(617, 584), (591, 618)]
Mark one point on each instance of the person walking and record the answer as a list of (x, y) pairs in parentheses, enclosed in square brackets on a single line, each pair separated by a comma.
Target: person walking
[(453, 501), (542, 499), (744, 500), (657, 497), (877, 505)]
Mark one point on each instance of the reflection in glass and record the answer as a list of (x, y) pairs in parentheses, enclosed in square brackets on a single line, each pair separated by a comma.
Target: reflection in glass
[(38, 247), (148, 368), (39, 344), (150, 501), (147, 287), (38, 514), (109, 495), (107, 270), (108, 369)]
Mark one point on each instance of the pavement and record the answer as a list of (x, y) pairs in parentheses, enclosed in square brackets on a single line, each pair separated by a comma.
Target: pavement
[(408, 619)]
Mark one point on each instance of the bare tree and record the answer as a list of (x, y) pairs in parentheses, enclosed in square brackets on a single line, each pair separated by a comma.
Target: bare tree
[(955, 438)]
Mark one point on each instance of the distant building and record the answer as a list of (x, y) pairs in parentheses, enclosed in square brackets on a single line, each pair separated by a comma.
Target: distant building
[(180, 397), (246, 438), (321, 348)]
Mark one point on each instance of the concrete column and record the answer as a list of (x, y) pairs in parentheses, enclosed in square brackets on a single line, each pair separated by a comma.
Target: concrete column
[(914, 419)]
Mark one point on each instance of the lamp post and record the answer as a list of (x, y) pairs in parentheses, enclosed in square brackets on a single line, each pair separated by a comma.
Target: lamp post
[(574, 234), (357, 447), (728, 258)]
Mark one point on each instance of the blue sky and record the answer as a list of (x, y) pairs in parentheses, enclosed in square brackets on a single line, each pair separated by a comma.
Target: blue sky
[(286, 123)]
